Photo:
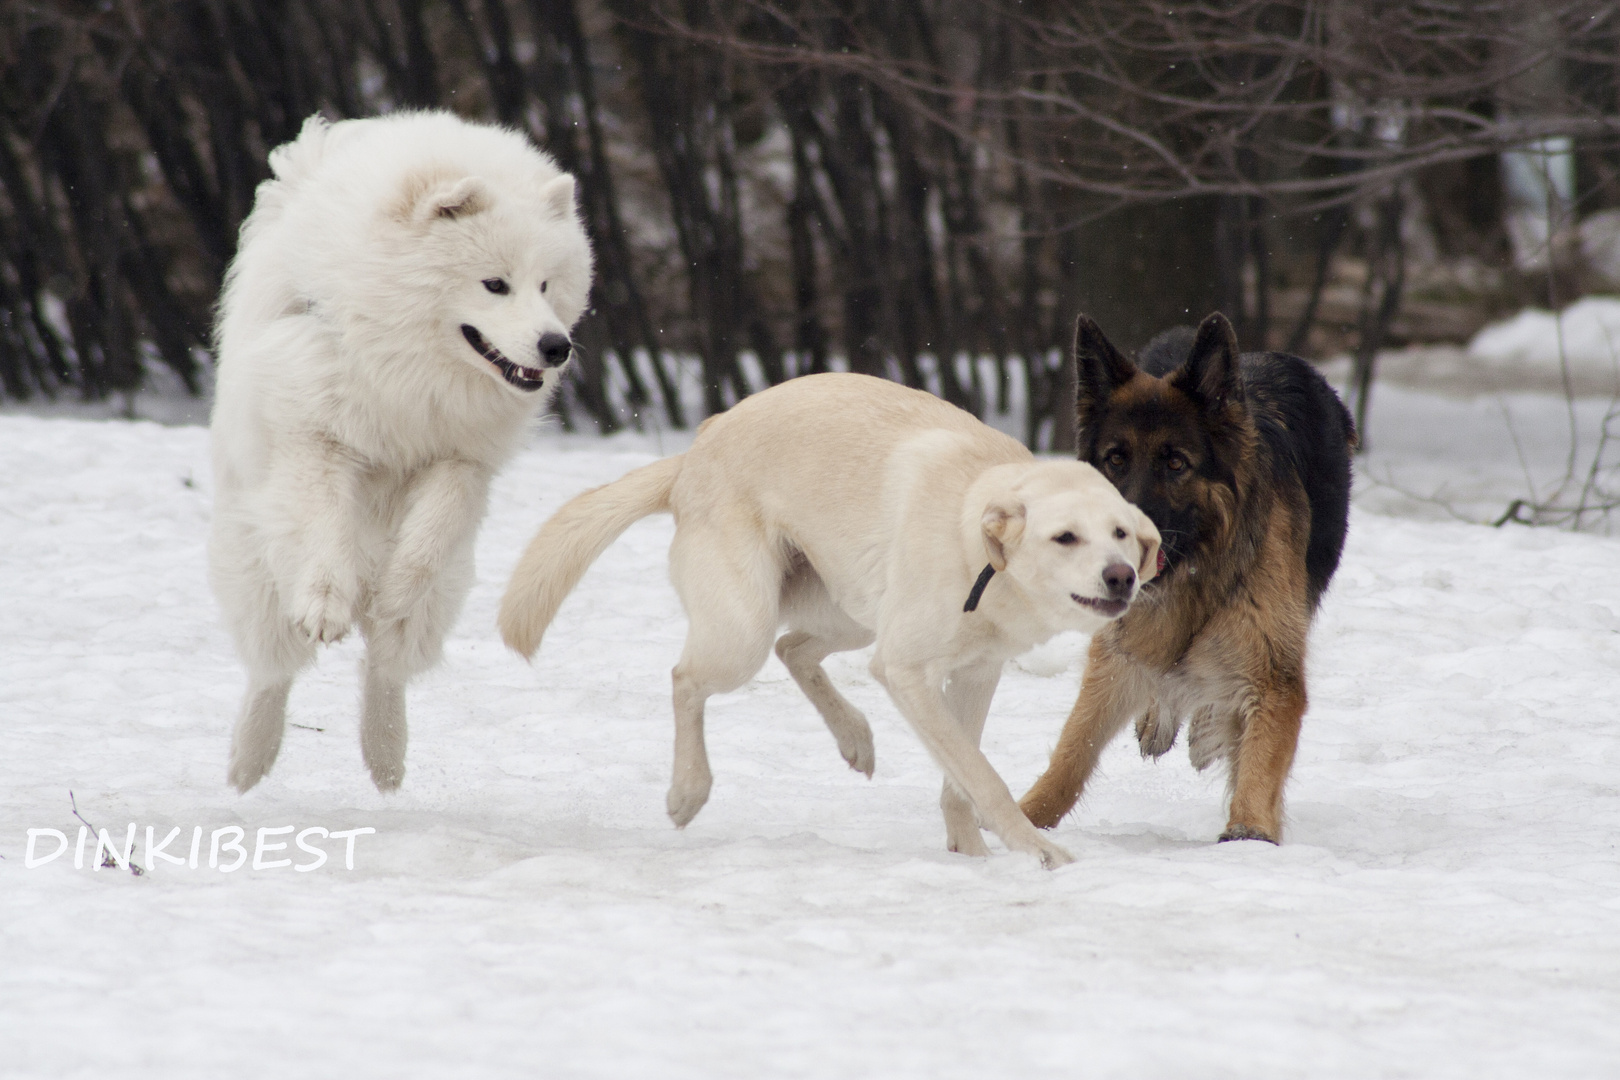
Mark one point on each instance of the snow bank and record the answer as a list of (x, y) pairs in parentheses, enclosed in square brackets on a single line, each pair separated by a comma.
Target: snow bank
[(1447, 903), (1586, 335)]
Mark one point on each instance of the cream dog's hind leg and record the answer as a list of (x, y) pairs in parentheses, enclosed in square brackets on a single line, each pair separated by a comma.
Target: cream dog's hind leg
[(816, 630), (730, 583)]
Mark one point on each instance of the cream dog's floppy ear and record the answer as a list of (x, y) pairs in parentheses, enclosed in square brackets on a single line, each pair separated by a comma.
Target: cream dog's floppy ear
[(1147, 534), (1003, 523)]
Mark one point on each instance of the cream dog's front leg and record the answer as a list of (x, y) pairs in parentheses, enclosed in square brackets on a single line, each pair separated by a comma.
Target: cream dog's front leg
[(921, 699), (444, 504), (967, 692)]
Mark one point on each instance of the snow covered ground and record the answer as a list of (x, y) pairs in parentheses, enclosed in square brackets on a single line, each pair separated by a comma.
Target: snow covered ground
[(1446, 904)]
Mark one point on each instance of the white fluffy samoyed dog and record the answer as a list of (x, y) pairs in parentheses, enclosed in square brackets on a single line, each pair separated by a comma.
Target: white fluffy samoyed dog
[(398, 308)]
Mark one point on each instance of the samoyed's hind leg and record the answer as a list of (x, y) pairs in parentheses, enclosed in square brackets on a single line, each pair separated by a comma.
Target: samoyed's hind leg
[(968, 693), (382, 725), (729, 581), (273, 649), (817, 629), (396, 650), (257, 739)]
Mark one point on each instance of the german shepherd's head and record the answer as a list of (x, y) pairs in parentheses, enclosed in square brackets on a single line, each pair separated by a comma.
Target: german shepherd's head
[(1180, 445)]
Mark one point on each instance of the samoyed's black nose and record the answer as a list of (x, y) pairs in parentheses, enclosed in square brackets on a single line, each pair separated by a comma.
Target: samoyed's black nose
[(554, 349), (1120, 579)]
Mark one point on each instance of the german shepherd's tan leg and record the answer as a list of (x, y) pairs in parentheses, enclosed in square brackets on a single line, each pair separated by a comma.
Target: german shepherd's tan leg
[(1264, 754), (1110, 694)]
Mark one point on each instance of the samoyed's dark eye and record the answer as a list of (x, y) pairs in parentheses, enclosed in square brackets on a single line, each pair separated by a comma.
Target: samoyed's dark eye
[(542, 286), (498, 286)]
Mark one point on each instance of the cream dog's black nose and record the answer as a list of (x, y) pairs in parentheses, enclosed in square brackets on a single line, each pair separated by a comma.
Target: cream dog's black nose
[(554, 349), (1120, 578)]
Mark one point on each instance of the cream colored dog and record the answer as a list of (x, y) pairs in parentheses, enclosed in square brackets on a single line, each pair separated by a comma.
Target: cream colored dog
[(854, 510)]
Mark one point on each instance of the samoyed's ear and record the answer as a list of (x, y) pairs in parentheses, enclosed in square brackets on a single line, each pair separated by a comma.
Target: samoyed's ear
[(429, 197), (1003, 524), (295, 160), (557, 196)]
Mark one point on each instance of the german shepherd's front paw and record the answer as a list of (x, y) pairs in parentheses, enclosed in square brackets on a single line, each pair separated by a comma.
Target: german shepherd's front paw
[(1239, 831)]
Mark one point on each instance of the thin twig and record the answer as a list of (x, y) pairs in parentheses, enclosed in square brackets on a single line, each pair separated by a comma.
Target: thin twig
[(107, 860)]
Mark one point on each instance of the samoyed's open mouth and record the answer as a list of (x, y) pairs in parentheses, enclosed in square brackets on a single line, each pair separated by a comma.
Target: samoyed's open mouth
[(1106, 608), (524, 378)]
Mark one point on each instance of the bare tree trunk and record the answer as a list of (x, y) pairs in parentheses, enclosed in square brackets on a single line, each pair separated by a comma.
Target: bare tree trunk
[(809, 335), (1329, 233), (1380, 301)]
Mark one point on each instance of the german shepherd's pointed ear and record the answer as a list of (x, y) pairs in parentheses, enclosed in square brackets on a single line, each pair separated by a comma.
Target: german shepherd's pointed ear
[(1003, 524), (1099, 369), (1210, 374)]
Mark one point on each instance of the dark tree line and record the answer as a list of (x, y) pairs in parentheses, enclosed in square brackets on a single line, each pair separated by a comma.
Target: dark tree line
[(922, 189)]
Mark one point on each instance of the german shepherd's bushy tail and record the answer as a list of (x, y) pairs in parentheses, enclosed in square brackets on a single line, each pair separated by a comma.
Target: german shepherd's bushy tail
[(567, 545)]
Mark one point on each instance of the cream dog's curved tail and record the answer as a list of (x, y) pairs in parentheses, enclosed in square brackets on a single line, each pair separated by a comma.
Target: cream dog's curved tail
[(571, 541)]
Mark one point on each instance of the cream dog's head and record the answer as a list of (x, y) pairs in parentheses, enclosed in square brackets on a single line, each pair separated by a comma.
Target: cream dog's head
[(1071, 542)]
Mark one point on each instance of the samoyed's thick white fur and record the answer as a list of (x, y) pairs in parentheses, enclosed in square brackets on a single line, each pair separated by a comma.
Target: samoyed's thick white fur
[(397, 310)]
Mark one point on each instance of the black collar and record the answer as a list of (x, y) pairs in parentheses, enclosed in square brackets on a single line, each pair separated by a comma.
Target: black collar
[(978, 587)]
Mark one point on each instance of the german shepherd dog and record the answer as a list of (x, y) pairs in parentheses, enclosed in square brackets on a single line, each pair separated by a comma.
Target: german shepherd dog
[(1243, 463)]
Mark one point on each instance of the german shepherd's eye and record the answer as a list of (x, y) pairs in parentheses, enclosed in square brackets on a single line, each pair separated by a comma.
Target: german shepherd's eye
[(1115, 460), (1067, 539), (1175, 463), (498, 286)]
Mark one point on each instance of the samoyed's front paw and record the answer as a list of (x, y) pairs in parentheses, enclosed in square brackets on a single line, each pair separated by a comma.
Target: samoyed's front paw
[(325, 615)]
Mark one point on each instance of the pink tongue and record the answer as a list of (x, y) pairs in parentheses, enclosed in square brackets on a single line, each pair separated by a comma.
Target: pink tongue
[(1162, 560)]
